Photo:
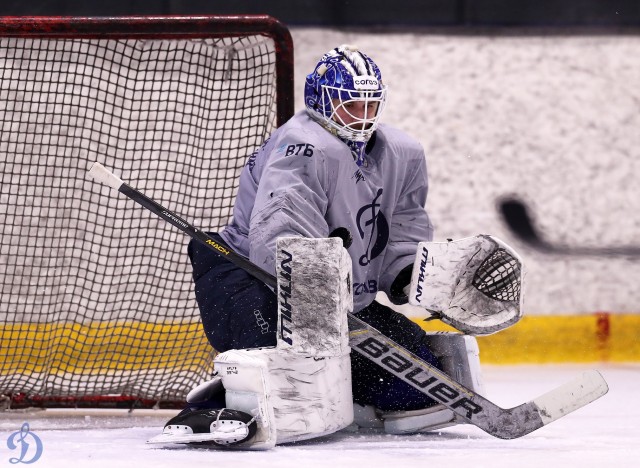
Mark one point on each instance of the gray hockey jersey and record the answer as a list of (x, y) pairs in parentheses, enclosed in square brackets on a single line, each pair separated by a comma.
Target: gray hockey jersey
[(304, 182)]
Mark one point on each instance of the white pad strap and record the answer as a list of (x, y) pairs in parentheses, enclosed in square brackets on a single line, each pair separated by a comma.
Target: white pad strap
[(473, 284)]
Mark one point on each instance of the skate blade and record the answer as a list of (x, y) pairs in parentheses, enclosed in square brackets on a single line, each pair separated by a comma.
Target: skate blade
[(221, 437)]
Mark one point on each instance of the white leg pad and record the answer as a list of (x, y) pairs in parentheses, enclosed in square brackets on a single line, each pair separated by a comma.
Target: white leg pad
[(460, 358), (300, 389), (459, 355), (410, 422), (293, 397), (314, 296)]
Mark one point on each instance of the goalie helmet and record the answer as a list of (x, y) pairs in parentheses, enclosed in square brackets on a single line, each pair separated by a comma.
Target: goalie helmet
[(342, 76)]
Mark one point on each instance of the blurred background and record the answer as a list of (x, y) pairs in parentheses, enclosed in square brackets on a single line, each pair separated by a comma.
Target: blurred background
[(535, 98), (336, 13)]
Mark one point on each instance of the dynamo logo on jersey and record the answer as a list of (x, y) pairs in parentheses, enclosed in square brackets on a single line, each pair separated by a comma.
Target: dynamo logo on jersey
[(372, 225)]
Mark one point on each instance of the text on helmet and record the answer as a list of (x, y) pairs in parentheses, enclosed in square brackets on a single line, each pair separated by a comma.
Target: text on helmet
[(365, 83)]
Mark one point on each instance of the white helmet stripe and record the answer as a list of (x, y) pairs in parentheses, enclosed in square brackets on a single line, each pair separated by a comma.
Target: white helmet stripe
[(356, 62)]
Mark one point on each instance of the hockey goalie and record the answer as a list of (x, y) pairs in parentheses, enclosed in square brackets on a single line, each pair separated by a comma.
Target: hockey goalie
[(284, 371)]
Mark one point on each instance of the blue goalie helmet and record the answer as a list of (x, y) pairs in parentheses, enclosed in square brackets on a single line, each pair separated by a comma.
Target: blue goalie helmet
[(345, 94)]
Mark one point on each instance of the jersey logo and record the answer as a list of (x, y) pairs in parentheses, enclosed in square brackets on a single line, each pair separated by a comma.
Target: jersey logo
[(299, 149), (358, 175), (251, 162), (369, 286), (372, 224)]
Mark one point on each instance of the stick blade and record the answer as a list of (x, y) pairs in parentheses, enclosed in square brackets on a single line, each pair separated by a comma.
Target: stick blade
[(571, 396), (517, 217)]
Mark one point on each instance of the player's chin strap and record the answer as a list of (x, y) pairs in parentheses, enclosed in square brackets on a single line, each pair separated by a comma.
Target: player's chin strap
[(473, 284)]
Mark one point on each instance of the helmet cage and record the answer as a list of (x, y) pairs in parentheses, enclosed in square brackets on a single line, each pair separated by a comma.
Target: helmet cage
[(361, 126)]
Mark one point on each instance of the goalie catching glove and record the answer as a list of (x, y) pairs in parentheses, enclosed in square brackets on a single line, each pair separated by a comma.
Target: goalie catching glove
[(473, 284)]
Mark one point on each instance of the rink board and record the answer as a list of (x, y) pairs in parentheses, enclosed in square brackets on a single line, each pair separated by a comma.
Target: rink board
[(596, 337), (129, 346), (99, 346)]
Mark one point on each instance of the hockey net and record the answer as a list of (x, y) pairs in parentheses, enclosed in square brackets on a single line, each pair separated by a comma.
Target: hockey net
[(97, 305)]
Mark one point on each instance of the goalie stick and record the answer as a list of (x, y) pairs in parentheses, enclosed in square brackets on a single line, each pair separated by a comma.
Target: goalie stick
[(366, 340), (516, 215)]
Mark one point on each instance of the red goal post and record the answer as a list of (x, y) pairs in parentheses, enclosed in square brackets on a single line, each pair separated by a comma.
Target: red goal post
[(97, 305)]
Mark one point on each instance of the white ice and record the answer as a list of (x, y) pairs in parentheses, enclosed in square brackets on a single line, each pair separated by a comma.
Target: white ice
[(605, 433)]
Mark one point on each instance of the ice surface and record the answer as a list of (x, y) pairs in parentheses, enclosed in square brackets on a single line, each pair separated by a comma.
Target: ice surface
[(603, 434)]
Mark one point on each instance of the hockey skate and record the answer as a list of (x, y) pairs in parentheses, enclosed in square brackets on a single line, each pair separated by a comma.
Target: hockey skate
[(222, 427), (206, 422)]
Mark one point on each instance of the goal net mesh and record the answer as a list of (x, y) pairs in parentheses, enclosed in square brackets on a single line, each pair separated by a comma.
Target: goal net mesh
[(97, 302)]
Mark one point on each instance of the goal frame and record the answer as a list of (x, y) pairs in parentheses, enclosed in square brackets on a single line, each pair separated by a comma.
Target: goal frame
[(168, 27), (153, 27)]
